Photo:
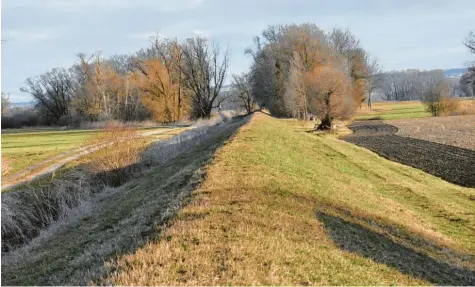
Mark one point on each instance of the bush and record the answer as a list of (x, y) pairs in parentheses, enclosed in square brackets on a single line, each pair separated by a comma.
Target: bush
[(22, 118), (120, 152), (438, 100)]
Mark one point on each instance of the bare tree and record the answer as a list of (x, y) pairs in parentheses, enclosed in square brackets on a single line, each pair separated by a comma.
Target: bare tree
[(374, 79), (329, 97), (5, 103), (204, 69), (242, 85), (52, 91)]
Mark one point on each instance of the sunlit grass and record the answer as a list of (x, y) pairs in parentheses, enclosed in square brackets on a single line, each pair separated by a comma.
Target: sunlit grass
[(281, 206)]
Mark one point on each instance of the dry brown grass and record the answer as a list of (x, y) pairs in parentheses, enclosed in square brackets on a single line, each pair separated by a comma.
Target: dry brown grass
[(464, 107), (254, 220), (121, 152), (5, 166)]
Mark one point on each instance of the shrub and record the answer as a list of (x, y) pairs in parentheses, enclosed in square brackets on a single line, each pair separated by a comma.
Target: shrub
[(120, 152), (438, 101)]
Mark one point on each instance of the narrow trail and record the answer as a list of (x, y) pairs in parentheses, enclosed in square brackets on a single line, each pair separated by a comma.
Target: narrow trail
[(450, 163), (52, 164)]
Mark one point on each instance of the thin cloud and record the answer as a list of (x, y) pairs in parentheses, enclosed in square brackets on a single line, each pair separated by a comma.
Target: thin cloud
[(89, 5), (30, 36)]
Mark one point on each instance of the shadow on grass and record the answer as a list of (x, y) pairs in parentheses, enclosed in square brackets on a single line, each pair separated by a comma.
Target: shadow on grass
[(356, 238), (119, 221)]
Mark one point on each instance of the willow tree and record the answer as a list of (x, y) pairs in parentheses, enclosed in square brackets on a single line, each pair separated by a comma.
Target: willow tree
[(329, 94)]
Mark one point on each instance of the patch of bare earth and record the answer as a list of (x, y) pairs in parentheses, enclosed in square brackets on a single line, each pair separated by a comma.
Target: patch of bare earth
[(448, 162), (456, 131)]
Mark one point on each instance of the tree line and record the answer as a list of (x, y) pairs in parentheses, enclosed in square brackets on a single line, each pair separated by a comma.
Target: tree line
[(168, 81), (298, 71)]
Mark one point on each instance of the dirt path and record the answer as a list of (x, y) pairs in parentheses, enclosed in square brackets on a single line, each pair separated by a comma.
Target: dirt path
[(50, 165), (450, 163)]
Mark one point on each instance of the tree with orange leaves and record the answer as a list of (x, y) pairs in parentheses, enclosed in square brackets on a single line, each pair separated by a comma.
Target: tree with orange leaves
[(329, 94), (158, 91)]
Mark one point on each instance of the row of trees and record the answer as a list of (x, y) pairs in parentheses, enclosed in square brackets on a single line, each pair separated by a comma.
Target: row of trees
[(300, 69), (297, 70), (408, 85), (168, 81), (467, 82)]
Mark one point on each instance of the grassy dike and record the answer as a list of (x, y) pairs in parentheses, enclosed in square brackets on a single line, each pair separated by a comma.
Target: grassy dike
[(283, 206)]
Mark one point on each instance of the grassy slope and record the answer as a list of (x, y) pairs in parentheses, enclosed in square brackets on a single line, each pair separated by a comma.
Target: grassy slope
[(118, 220), (282, 207)]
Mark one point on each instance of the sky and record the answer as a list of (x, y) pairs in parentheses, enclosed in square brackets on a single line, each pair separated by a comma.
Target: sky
[(39, 35)]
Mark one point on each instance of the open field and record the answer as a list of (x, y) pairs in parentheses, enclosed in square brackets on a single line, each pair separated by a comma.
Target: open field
[(407, 110), (22, 150), (28, 154), (392, 110), (448, 162), (457, 131)]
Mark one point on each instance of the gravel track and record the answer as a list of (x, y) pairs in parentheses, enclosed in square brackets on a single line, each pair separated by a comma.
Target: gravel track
[(453, 164)]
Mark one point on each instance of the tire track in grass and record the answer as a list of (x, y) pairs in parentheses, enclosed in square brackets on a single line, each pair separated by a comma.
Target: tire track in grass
[(50, 165)]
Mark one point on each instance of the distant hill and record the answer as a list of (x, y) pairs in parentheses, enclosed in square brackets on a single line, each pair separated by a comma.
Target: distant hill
[(454, 73), (22, 104)]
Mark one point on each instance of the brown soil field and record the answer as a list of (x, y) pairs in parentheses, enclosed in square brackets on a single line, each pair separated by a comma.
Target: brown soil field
[(448, 162), (457, 131)]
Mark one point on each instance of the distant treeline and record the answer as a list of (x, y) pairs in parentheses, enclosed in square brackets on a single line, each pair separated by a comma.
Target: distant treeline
[(297, 70)]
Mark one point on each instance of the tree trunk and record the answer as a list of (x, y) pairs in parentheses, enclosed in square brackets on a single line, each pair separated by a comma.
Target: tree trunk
[(369, 100), (326, 123)]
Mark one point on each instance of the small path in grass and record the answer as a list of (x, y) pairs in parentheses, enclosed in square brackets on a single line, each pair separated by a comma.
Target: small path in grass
[(52, 164), (450, 163)]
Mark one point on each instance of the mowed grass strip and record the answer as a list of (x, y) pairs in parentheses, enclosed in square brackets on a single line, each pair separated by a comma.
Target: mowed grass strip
[(281, 206)]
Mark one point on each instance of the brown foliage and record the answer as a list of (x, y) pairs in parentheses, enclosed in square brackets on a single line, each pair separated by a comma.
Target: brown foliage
[(160, 94), (329, 94)]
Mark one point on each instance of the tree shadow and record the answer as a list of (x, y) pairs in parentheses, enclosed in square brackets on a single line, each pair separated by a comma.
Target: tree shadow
[(356, 238)]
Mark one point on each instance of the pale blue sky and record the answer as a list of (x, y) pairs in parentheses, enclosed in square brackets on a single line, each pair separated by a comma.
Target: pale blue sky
[(44, 34)]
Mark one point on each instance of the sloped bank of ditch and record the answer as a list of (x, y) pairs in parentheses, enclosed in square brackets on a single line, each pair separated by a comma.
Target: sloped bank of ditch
[(108, 220)]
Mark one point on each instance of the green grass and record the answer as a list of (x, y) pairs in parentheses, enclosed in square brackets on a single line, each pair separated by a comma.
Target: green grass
[(393, 110), (278, 206), (25, 149), (281, 206)]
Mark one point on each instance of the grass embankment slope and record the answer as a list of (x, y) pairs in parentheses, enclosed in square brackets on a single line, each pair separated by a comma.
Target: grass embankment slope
[(281, 206)]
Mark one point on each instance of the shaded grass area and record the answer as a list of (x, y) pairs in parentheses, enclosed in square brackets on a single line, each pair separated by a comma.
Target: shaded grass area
[(281, 206), (118, 220), (393, 110), (359, 239)]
